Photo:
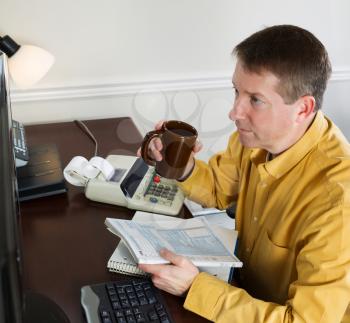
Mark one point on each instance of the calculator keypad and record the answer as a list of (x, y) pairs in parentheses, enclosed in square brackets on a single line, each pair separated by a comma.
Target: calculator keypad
[(161, 193)]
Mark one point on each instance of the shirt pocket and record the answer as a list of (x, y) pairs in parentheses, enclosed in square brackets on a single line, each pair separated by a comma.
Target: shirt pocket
[(272, 267)]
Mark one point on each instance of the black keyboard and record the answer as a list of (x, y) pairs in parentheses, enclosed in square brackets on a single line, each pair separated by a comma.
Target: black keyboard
[(127, 301)]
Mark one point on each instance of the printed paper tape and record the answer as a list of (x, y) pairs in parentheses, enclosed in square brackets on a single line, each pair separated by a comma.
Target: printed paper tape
[(79, 170)]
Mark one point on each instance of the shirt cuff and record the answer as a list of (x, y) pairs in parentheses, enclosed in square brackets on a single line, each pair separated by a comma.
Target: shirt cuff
[(204, 295), (182, 179)]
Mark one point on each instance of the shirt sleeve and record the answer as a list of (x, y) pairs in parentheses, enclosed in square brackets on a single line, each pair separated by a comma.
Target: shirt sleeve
[(220, 302), (216, 184), (320, 293)]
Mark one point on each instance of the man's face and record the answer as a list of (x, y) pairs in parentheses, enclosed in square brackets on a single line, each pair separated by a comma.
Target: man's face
[(262, 118)]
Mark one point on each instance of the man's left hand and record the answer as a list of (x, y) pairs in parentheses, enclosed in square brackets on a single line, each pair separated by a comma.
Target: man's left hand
[(175, 278)]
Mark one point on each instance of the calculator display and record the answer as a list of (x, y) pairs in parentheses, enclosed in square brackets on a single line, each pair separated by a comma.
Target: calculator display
[(134, 177)]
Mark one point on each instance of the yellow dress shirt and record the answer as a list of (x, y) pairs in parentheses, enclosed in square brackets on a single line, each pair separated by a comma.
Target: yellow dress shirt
[(293, 218)]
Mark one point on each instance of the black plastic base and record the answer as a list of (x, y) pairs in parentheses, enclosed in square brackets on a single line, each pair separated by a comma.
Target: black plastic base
[(40, 309)]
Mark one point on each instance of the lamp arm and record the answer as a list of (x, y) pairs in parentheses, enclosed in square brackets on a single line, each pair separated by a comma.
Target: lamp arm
[(8, 46)]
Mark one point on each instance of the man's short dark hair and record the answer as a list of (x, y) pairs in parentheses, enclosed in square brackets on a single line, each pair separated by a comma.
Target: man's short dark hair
[(291, 53)]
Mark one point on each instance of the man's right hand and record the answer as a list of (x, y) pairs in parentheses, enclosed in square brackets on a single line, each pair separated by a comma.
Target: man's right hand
[(155, 147)]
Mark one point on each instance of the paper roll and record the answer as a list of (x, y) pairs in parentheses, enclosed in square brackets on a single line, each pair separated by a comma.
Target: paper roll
[(79, 170), (73, 171), (103, 165)]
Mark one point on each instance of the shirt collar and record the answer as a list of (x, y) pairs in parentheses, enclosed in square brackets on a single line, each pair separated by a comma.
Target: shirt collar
[(292, 156)]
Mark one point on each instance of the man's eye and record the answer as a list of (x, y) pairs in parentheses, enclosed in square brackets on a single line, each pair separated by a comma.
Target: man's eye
[(255, 101), (235, 91)]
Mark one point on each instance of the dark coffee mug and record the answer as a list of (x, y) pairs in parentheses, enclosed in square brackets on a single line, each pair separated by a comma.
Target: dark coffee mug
[(178, 139)]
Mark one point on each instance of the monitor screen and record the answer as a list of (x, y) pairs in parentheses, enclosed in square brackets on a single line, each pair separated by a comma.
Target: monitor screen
[(11, 301), (16, 304)]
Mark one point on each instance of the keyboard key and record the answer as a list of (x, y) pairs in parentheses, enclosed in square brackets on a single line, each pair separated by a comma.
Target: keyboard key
[(150, 297), (130, 319), (164, 319), (128, 312), (118, 314), (112, 292), (161, 313), (143, 301), (136, 310), (123, 296), (125, 304), (151, 300), (121, 320), (138, 287), (140, 318), (134, 302), (116, 305), (104, 313), (146, 286), (153, 316), (110, 286)]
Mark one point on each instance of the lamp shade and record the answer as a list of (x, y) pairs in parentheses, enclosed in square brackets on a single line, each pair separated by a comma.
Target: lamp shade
[(29, 64)]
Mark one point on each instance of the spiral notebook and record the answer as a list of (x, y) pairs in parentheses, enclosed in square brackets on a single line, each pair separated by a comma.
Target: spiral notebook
[(122, 262)]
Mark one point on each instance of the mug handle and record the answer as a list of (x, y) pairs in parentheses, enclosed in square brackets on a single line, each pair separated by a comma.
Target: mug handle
[(144, 146)]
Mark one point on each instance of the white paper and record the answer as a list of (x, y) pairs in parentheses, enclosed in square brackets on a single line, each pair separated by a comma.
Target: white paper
[(197, 209), (194, 238)]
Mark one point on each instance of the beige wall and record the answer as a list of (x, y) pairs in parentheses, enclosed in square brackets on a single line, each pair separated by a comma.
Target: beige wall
[(159, 58)]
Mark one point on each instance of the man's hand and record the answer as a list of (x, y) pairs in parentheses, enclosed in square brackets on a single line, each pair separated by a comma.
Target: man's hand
[(155, 147), (175, 278)]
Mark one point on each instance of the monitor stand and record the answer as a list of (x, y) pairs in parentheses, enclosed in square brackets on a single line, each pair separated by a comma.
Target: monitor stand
[(41, 309)]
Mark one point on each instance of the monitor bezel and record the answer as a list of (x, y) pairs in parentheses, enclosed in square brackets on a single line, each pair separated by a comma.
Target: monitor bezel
[(11, 291)]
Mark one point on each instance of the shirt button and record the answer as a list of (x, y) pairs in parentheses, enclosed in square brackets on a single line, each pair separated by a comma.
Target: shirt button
[(263, 184), (255, 219), (247, 249)]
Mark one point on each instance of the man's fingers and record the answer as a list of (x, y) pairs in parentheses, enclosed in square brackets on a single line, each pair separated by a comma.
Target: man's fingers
[(152, 269), (173, 257), (158, 144), (159, 124), (198, 146), (154, 148)]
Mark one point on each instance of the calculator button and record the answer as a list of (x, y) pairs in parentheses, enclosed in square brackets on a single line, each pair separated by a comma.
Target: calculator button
[(153, 199), (156, 179)]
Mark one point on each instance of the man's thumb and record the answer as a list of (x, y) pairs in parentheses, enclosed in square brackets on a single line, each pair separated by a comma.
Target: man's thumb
[(173, 257)]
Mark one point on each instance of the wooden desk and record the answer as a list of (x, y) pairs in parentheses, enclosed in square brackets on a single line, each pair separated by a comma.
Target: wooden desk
[(65, 242)]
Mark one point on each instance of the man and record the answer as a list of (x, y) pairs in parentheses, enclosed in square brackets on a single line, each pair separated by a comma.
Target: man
[(287, 168)]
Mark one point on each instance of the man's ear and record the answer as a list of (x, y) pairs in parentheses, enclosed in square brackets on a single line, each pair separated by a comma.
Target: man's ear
[(306, 107)]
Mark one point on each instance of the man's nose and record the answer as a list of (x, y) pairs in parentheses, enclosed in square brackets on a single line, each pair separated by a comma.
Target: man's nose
[(237, 112)]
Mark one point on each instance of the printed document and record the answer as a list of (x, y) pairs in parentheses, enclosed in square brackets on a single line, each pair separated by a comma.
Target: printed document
[(205, 244)]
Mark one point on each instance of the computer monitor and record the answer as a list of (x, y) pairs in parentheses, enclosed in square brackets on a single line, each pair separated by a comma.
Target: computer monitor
[(16, 305)]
